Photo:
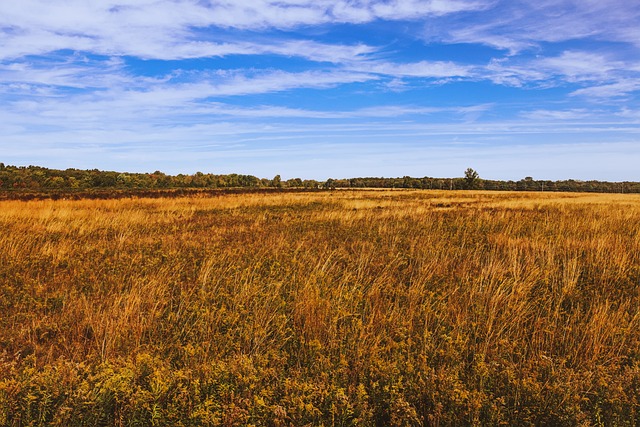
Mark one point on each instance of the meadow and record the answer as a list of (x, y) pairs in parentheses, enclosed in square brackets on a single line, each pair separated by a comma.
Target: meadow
[(333, 308)]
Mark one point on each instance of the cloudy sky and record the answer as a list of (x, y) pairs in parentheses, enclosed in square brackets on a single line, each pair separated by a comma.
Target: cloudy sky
[(319, 88)]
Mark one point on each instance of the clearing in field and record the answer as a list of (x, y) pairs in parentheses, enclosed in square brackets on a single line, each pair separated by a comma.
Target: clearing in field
[(327, 308)]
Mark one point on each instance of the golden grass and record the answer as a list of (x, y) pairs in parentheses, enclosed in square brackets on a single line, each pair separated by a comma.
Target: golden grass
[(331, 308)]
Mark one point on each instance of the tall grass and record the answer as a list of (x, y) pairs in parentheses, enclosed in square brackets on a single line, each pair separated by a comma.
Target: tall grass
[(334, 308)]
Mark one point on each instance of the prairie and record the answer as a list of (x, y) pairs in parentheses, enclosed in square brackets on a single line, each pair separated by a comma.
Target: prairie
[(335, 308)]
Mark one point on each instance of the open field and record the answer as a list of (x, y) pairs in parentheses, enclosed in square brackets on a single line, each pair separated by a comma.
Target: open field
[(328, 308)]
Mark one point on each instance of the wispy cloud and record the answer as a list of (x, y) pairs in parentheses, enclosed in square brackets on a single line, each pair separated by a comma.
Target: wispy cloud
[(613, 90), (520, 24), (168, 29), (424, 69), (559, 115), (577, 66), (76, 71), (156, 100), (595, 74)]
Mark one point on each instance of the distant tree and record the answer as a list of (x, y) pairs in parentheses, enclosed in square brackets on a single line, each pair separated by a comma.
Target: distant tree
[(74, 182), (330, 183), (294, 182), (276, 181), (471, 179), (56, 182)]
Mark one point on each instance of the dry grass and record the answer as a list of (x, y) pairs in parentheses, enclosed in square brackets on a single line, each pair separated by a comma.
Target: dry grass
[(332, 308)]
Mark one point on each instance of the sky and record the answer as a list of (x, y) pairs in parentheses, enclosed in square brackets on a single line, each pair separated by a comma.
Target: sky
[(318, 89)]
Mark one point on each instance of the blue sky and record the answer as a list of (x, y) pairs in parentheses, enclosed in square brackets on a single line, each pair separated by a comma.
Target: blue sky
[(319, 89)]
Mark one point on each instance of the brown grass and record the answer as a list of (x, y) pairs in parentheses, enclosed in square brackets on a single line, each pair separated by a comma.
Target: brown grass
[(332, 308)]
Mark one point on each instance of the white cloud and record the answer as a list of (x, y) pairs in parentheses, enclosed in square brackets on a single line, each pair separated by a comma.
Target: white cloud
[(157, 100), (233, 83), (501, 72), (168, 29), (165, 47), (559, 115), (577, 66), (630, 113), (519, 24), (424, 69), (74, 72), (614, 90), (589, 69)]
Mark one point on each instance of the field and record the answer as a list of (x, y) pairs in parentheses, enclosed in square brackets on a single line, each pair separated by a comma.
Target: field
[(335, 308)]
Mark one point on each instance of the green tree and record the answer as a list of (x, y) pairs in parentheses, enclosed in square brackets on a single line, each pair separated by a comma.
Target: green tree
[(330, 183), (471, 179), (56, 182)]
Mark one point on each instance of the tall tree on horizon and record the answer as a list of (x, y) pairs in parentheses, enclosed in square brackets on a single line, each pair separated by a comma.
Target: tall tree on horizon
[(471, 179)]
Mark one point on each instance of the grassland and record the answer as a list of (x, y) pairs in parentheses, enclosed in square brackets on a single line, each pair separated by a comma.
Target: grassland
[(334, 308)]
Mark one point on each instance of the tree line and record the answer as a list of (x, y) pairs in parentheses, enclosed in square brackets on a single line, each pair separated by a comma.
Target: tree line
[(37, 178)]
